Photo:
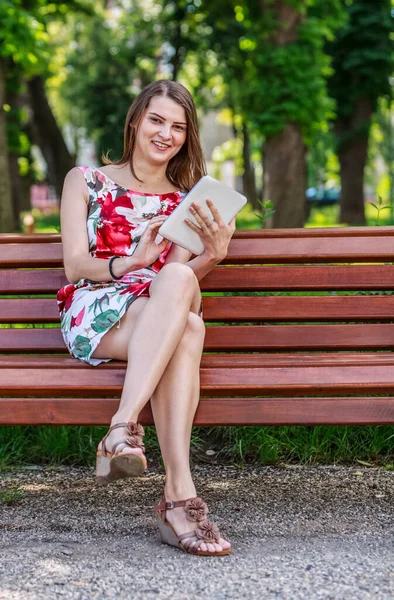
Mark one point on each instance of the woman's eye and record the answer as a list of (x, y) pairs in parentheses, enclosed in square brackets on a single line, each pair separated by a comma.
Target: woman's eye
[(155, 120)]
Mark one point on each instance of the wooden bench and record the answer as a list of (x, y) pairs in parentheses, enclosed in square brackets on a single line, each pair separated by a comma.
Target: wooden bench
[(269, 359)]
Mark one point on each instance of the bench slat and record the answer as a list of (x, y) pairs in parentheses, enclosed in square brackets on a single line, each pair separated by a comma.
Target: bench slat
[(365, 277), (305, 381), (237, 308), (301, 232), (247, 360), (271, 308), (257, 250), (211, 411), (233, 337)]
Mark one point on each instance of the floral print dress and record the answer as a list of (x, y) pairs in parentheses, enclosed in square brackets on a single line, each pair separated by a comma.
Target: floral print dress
[(117, 217)]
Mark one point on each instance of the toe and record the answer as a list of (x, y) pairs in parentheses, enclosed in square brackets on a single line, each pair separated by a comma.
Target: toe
[(211, 547), (218, 548), (225, 545), (192, 544)]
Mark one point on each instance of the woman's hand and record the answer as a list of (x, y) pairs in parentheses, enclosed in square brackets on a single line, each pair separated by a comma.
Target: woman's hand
[(147, 250), (214, 234)]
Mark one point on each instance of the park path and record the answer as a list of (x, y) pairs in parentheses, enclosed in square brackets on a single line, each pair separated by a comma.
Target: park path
[(297, 533)]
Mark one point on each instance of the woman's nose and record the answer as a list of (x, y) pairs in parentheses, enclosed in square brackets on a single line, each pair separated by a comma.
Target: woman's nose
[(165, 132)]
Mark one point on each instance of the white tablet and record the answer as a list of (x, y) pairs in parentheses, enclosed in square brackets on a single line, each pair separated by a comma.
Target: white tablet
[(227, 201)]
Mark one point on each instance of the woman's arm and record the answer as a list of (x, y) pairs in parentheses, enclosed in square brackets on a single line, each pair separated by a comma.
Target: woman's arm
[(201, 265), (78, 264)]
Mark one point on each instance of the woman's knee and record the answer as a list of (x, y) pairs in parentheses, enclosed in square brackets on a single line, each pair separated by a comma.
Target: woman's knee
[(178, 277), (194, 331)]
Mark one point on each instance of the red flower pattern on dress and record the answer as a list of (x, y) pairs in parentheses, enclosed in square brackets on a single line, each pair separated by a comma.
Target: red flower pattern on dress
[(113, 230), (76, 321), (65, 297)]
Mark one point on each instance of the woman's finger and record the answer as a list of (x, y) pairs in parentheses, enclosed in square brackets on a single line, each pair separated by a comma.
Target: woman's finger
[(200, 211), (194, 227), (162, 245), (215, 213), (157, 220), (204, 223), (152, 228)]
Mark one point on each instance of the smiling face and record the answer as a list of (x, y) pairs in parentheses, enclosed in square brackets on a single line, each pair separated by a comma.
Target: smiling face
[(162, 131)]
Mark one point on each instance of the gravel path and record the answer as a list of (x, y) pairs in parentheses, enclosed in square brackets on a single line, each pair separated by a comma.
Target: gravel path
[(297, 532)]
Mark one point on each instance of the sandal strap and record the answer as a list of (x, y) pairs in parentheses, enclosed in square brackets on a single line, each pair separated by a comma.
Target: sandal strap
[(109, 431), (136, 442), (189, 534), (168, 505)]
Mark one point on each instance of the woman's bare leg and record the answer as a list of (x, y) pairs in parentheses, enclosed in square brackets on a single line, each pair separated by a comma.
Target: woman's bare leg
[(174, 404), (147, 338)]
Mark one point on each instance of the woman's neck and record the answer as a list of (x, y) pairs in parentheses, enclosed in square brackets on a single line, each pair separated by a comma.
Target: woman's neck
[(150, 175)]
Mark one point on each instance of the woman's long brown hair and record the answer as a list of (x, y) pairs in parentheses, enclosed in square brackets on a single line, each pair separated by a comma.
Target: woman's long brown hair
[(188, 166)]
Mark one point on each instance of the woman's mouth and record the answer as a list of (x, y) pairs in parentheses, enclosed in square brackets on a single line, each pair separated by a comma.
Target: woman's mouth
[(160, 146)]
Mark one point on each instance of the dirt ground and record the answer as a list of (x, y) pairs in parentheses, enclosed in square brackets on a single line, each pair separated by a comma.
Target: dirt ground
[(297, 532)]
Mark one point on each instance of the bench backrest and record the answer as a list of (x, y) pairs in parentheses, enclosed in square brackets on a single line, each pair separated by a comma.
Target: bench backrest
[(342, 277)]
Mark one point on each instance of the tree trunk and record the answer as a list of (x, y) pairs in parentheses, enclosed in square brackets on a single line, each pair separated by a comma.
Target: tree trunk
[(20, 186), (45, 133), (284, 154), (248, 177), (6, 216), (352, 155), (284, 159)]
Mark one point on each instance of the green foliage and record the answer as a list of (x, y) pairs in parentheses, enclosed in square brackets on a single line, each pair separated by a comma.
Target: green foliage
[(379, 208), (272, 84), (266, 211), (22, 35), (108, 61), (362, 56)]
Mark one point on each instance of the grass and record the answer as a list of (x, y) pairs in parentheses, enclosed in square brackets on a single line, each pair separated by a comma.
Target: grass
[(76, 445), (11, 495)]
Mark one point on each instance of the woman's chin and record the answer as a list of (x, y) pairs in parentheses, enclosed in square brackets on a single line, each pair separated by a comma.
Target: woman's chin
[(159, 159)]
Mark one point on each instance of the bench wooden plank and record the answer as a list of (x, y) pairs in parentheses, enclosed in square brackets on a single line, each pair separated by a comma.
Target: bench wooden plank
[(211, 411), (233, 338), (257, 250), (236, 308), (230, 361), (308, 278), (305, 381), (303, 232), (366, 277)]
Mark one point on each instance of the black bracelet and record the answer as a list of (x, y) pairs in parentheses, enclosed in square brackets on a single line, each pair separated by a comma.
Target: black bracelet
[(111, 260)]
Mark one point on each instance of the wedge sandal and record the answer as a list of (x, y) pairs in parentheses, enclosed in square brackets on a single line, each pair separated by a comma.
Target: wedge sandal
[(118, 464), (206, 532)]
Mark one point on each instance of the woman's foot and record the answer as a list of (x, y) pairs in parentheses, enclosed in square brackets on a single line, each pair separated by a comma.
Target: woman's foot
[(120, 455), (177, 517), (112, 441)]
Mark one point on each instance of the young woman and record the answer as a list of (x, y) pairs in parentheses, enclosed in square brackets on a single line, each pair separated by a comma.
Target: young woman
[(136, 300)]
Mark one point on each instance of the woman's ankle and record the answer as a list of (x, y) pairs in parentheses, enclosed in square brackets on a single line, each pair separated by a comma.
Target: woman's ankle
[(122, 419), (179, 490)]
